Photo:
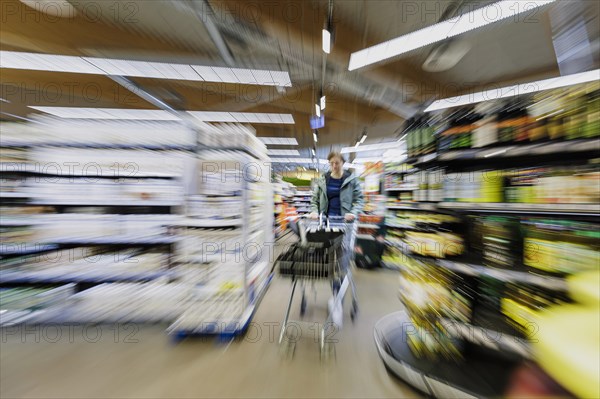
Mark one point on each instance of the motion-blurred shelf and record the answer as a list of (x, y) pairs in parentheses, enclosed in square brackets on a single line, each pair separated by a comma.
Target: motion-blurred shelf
[(23, 144), (488, 338), (24, 248), (553, 283), (13, 195), (524, 150), (207, 223), (86, 277), (99, 202), (116, 240), (409, 188), (417, 206), (500, 207), (367, 226), (477, 376)]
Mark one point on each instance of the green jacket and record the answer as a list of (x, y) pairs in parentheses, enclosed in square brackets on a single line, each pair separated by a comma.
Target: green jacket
[(351, 196)]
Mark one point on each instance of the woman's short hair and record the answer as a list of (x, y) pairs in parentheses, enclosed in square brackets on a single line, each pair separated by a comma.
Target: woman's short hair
[(336, 154)]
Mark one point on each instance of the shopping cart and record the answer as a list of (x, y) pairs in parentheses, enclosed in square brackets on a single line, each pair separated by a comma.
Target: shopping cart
[(323, 253)]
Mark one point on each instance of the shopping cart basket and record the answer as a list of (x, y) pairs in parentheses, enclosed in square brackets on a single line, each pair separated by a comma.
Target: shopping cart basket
[(323, 253)]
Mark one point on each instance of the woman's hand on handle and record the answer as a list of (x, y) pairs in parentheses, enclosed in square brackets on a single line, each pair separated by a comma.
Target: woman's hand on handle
[(349, 217), (313, 215)]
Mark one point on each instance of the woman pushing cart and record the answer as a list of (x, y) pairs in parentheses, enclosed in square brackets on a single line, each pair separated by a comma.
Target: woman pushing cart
[(326, 246)]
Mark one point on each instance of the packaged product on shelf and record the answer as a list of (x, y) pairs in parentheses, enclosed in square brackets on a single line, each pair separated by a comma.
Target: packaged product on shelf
[(592, 123), (501, 242), (435, 184), (437, 245), (559, 246), (522, 304), (475, 186)]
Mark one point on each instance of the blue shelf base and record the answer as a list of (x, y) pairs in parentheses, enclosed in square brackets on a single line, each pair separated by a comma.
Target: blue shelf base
[(230, 332)]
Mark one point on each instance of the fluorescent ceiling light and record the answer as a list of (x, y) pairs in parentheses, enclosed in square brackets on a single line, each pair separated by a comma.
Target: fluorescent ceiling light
[(403, 137), (4, 100), (317, 110), (326, 41), (142, 69), (312, 150), (295, 160), (357, 144), (441, 31), (363, 138), (107, 113), (322, 102), (515, 90), (315, 138), (144, 114), (283, 152), (279, 140), (371, 147)]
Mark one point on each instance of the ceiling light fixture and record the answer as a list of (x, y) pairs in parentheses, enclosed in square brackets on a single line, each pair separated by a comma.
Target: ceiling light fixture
[(314, 153), (315, 136), (143, 69), (4, 100), (326, 41), (318, 110), (283, 152), (323, 102), (296, 160), (363, 137), (515, 90), (150, 114), (279, 140), (441, 31)]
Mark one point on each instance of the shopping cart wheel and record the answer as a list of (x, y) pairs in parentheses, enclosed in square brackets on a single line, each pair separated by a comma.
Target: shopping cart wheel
[(303, 305), (328, 352), (354, 310), (287, 349)]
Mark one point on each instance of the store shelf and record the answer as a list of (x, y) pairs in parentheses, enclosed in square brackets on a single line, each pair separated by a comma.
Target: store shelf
[(22, 144), (523, 150), (367, 226), (500, 207), (424, 159), (414, 207), (207, 223), (226, 327), (23, 221), (469, 269), (24, 248), (553, 283), (401, 226), (256, 271), (117, 240), (13, 195), (17, 167), (475, 376), (244, 149), (413, 188), (488, 338), (78, 277), (99, 202)]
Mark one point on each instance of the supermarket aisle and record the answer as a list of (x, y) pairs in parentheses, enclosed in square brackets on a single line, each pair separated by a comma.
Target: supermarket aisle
[(251, 367)]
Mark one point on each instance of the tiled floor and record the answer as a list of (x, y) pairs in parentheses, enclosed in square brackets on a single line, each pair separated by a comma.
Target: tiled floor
[(155, 366)]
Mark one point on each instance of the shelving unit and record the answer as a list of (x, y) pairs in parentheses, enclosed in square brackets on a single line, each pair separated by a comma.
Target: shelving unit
[(497, 293), (545, 209), (212, 252), (132, 246)]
